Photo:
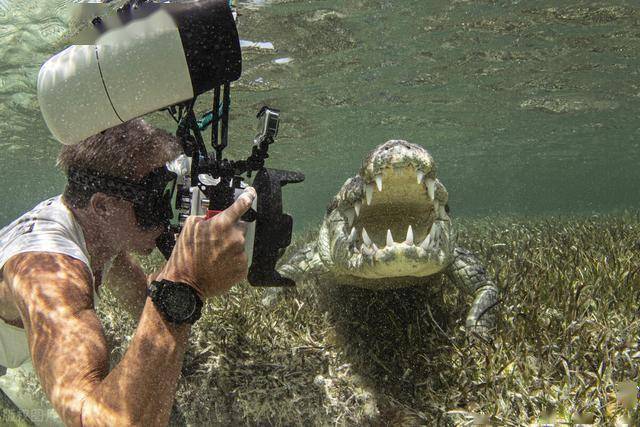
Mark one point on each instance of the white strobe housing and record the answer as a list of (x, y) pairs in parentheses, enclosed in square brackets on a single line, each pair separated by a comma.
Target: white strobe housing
[(130, 71), (164, 55)]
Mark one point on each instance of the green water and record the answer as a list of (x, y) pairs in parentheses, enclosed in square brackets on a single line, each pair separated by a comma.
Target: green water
[(529, 107)]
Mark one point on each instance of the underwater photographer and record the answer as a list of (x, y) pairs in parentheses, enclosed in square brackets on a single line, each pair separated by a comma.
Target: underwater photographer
[(130, 188)]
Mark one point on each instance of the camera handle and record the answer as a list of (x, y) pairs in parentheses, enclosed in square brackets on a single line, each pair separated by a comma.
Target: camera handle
[(273, 227)]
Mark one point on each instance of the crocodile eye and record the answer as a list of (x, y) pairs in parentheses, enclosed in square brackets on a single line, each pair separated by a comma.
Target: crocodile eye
[(446, 208)]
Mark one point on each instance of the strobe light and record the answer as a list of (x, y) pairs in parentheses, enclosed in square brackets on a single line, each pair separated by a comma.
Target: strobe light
[(163, 54)]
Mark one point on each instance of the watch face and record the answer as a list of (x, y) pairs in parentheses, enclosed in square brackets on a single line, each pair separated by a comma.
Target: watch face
[(179, 302)]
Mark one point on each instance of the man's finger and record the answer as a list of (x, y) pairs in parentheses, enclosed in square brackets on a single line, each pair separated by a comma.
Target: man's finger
[(190, 224), (239, 207), (243, 226)]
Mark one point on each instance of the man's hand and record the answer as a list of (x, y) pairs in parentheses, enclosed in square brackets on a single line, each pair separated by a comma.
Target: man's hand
[(209, 254)]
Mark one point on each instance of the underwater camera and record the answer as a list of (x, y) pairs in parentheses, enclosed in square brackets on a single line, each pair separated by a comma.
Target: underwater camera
[(162, 56)]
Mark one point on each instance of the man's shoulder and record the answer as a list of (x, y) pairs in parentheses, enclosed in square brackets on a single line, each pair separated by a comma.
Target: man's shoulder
[(35, 273), (49, 210), (48, 227), (29, 264)]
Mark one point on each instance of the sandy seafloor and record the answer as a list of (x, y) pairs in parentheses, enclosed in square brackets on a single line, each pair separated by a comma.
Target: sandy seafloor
[(565, 347)]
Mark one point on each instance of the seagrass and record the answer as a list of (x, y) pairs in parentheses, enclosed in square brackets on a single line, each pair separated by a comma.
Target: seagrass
[(565, 348)]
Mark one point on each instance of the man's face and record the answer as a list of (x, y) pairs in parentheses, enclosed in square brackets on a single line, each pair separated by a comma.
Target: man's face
[(124, 228), (130, 235)]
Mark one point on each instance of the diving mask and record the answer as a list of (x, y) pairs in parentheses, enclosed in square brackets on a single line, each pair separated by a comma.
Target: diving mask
[(151, 196)]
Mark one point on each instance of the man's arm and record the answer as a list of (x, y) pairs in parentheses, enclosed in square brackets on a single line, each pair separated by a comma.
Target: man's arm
[(54, 295)]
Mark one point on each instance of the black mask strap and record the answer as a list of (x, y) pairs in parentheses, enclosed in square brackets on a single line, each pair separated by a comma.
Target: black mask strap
[(151, 196)]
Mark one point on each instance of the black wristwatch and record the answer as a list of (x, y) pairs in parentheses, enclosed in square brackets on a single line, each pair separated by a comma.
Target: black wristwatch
[(178, 302)]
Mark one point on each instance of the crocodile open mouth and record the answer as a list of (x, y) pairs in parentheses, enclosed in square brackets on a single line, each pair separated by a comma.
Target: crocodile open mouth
[(399, 212), (391, 219)]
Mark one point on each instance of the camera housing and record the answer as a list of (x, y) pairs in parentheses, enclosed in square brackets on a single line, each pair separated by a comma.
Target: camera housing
[(268, 123), (206, 186), (191, 200)]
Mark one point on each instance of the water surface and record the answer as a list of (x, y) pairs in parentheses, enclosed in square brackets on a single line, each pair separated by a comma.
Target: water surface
[(527, 107)]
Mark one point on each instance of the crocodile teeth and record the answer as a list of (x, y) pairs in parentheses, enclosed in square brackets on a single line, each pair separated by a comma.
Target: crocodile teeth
[(444, 236), (426, 242), (379, 182), (366, 238), (352, 236), (369, 191), (409, 240), (350, 214), (432, 238), (435, 232), (431, 188), (436, 207), (390, 241), (375, 248), (420, 176), (366, 250), (443, 212), (357, 207)]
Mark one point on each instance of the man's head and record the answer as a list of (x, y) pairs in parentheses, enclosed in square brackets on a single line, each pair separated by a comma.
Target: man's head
[(127, 155)]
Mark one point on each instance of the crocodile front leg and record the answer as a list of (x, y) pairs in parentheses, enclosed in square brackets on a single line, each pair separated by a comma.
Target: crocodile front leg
[(303, 264), (467, 272)]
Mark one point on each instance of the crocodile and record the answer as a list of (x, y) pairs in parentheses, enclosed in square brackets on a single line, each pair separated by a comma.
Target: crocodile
[(388, 227)]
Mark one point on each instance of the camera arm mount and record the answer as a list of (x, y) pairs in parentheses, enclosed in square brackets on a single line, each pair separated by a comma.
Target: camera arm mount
[(189, 134), (273, 227)]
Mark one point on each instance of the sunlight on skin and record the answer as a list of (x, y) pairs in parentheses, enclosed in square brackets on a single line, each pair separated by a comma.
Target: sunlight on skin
[(54, 294), (51, 302)]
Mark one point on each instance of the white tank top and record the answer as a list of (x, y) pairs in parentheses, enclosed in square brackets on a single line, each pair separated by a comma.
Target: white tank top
[(49, 227)]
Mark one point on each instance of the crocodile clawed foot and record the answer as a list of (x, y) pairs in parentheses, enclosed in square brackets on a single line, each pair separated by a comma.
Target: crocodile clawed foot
[(479, 329)]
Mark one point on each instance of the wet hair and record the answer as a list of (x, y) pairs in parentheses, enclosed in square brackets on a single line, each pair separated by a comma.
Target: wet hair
[(121, 151)]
